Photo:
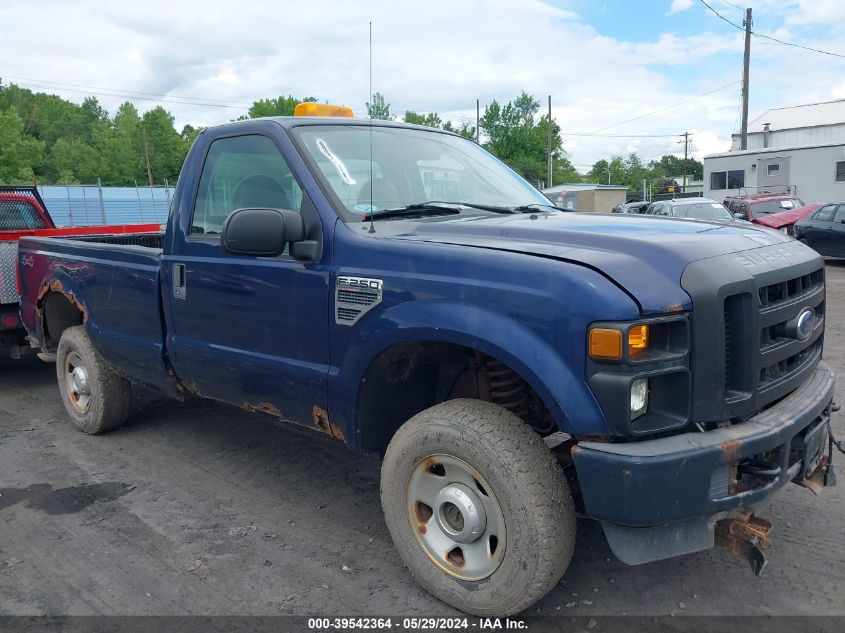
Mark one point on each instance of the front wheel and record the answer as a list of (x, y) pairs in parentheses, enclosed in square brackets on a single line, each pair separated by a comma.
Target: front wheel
[(95, 397), (478, 507)]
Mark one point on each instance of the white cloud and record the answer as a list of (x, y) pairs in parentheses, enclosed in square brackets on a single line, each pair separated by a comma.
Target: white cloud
[(441, 58), (680, 5), (818, 12)]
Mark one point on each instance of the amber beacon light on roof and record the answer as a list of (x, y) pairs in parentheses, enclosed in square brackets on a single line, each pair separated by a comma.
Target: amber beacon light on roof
[(322, 109)]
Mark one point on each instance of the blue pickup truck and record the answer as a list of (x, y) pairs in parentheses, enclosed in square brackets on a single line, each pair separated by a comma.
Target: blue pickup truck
[(516, 365)]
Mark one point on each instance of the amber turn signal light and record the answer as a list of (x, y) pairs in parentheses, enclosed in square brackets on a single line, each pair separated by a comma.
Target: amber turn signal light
[(605, 344), (637, 339)]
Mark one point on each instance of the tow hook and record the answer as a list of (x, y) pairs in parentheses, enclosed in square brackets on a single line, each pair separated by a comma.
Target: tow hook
[(745, 536)]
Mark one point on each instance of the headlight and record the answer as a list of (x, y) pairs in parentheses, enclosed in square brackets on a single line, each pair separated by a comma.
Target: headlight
[(639, 397)]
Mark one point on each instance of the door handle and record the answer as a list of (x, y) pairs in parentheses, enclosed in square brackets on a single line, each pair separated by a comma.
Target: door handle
[(180, 280)]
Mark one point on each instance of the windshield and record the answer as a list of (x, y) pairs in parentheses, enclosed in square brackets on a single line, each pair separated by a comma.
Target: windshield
[(704, 211), (774, 206), (409, 167)]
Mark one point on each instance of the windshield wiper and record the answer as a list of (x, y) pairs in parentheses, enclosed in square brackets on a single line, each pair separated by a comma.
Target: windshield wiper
[(432, 207), (537, 206)]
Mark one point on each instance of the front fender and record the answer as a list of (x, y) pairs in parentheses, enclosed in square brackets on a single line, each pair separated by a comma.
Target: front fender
[(563, 391)]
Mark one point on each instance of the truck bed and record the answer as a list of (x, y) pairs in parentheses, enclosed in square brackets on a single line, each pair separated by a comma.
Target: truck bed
[(119, 274), (139, 235)]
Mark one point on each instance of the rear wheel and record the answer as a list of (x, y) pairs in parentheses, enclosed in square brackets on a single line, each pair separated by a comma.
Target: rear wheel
[(478, 507), (95, 397)]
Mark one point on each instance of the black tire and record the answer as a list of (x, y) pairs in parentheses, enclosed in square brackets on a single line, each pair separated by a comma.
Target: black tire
[(527, 482), (107, 403)]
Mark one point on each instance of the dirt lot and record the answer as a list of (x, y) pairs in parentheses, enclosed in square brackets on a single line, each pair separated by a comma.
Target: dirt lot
[(204, 509)]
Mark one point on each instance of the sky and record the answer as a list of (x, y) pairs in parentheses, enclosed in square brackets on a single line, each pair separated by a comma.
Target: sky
[(623, 76)]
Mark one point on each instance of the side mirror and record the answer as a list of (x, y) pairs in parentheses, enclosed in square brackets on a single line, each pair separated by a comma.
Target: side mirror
[(261, 232), (739, 216)]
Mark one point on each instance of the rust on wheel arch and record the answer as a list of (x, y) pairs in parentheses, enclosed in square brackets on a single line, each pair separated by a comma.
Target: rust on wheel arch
[(56, 286)]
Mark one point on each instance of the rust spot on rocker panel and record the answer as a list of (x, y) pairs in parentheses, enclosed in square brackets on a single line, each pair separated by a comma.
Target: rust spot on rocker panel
[(263, 407), (322, 423)]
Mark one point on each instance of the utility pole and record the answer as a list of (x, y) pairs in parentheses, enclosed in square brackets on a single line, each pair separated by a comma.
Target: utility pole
[(147, 158), (686, 143), (549, 146), (746, 58), (477, 119)]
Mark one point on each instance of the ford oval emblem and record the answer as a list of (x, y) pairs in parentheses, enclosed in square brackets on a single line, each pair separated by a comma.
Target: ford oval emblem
[(805, 324)]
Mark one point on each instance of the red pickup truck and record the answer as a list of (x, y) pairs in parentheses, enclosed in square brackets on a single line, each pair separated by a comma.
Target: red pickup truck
[(23, 214)]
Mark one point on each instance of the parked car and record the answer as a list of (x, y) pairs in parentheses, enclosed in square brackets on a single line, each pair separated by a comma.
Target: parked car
[(22, 212), (692, 209), (784, 221), (631, 207), (824, 230), (754, 207), (515, 365)]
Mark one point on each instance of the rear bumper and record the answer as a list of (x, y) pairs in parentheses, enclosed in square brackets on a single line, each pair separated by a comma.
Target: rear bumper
[(660, 498)]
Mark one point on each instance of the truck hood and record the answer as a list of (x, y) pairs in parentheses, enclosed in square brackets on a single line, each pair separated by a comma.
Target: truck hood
[(644, 255)]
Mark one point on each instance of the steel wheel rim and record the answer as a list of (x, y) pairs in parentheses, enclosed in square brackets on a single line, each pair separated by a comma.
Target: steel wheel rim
[(77, 383), (456, 517)]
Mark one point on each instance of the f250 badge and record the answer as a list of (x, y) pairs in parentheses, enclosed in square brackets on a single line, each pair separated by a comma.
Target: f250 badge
[(354, 297), (28, 261), (358, 283)]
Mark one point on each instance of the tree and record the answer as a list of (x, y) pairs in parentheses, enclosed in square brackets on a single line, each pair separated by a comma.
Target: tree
[(189, 134), (466, 130), (74, 160), (432, 119), (122, 157), (20, 156), (521, 141), (379, 109), (672, 166), (166, 147), (280, 106)]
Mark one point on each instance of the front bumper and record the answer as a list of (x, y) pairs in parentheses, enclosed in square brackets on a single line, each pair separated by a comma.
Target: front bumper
[(661, 498)]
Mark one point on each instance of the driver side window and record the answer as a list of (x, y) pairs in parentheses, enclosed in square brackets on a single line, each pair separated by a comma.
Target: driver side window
[(242, 172)]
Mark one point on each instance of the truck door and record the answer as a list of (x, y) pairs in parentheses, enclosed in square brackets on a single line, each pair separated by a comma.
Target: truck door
[(251, 331)]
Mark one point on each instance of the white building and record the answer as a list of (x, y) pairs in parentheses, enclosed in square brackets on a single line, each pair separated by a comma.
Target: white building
[(800, 150)]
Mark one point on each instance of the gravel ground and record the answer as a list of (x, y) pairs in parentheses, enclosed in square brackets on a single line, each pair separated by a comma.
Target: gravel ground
[(199, 508)]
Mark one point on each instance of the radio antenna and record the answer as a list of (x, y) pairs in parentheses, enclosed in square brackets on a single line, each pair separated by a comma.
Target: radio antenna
[(370, 113)]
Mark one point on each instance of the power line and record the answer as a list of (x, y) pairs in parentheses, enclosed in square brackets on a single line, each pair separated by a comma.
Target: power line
[(588, 134), (130, 96), (806, 48), (674, 105), (735, 6), (769, 37), (121, 90)]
